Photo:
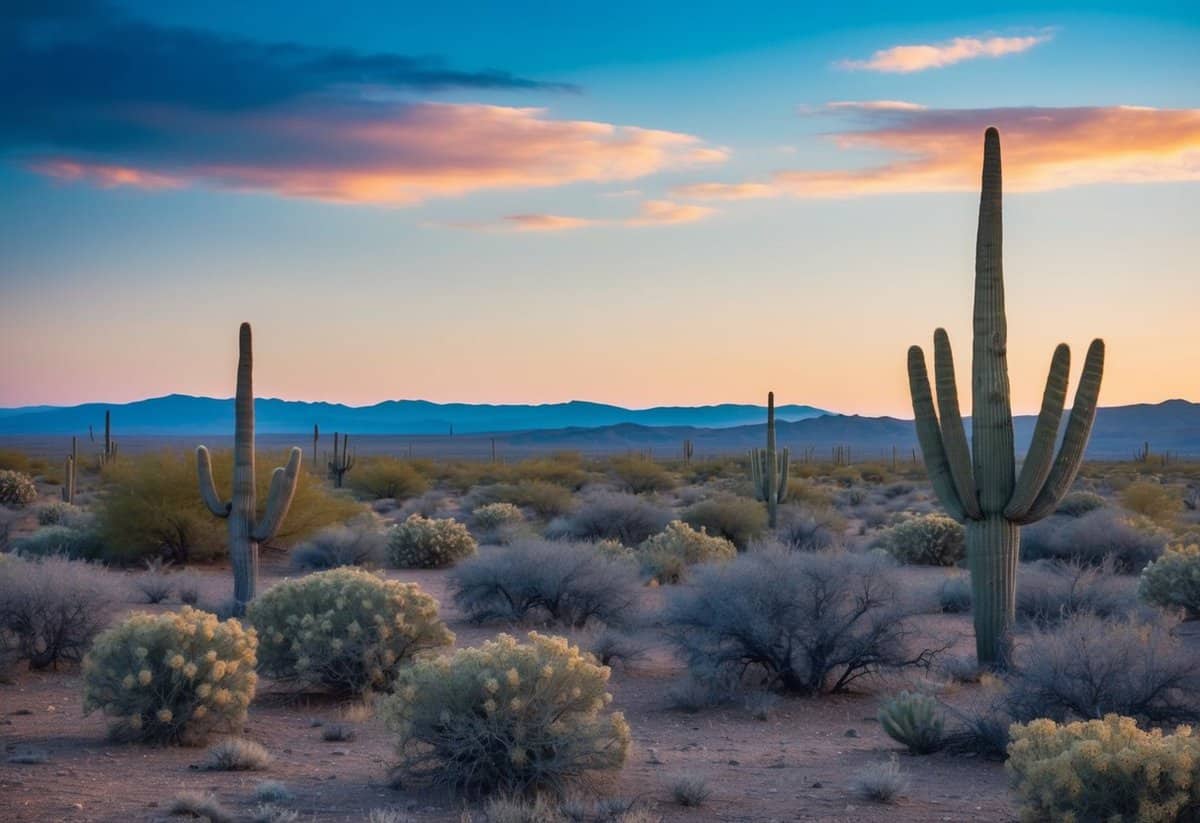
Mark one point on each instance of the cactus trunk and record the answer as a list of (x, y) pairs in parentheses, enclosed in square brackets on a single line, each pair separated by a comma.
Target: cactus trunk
[(993, 550)]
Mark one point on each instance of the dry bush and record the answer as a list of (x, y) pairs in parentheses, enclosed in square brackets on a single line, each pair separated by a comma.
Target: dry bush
[(1153, 501), (880, 782), (497, 523), (386, 478), (1173, 580), (738, 519), (203, 805), (668, 555), (236, 754), (506, 717), (345, 630), (171, 677), (16, 489), (541, 497), (51, 608), (690, 792), (1049, 591), (640, 475), (612, 516), (1077, 504), (928, 540), (423, 543), (567, 583), (806, 529), (1092, 537), (807, 623), (358, 543)]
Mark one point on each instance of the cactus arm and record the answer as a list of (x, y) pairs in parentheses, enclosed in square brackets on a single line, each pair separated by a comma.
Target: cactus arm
[(929, 435), (208, 489), (1040, 457), (279, 499), (954, 435), (783, 474), (1079, 428), (992, 429)]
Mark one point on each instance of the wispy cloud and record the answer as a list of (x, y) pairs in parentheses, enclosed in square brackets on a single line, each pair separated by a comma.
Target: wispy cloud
[(921, 56), (1044, 148), (650, 213), (545, 222), (104, 99)]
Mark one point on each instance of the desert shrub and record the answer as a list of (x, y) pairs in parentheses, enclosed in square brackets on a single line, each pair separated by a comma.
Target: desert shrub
[(15, 460), (810, 530), (359, 543), (611, 646), (1089, 666), (568, 583), (1151, 500), (337, 733), (380, 478), (59, 513), (737, 519), (808, 623), (497, 522), (1049, 591), (187, 588), (51, 608), (151, 506), (982, 726), (422, 543), (915, 720), (1173, 580), (73, 543), (155, 584), (506, 717), (612, 516), (1105, 769), (205, 806), (171, 677), (954, 595), (1092, 537), (880, 782), (543, 498), (235, 754), (667, 555), (16, 489), (928, 540), (690, 792), (640, 475), (561, 468), (272, 791), (345, 630), (1077, 504)]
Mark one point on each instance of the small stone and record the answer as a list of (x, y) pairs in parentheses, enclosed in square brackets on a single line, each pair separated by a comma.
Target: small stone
[(851, 733), (818, 784)]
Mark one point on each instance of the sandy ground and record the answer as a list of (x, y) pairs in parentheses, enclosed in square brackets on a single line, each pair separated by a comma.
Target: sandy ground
[(795, 766)]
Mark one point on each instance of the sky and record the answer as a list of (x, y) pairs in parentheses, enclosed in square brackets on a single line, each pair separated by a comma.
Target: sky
[(642, 204)]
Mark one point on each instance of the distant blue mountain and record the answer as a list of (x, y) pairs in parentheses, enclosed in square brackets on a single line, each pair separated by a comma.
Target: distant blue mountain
[(184, 414)]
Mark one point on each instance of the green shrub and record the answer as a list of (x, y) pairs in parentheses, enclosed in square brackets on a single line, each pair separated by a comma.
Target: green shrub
[(640, 475), (1151, 500), (77, 544), (346, 630), (506, 717), (497, 522), (542, 498), (171, 677), (17, 461), (424, 543), (1077, 504), (667, 555), (382, 478), (151, 506), (914, 720), (927, 540), (16, 489), (737, 519), (1173, 580), (59, 513), (1104, 770)]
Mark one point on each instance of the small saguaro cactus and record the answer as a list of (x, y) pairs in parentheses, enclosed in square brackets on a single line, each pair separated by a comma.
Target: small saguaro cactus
[(109, 455), (246, 529), (769, 469), (70, 467), (980, 486), (342, 461), (316, 439), (689, 449)]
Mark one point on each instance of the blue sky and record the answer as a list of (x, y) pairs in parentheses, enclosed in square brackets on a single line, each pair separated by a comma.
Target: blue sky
[(380, 201)]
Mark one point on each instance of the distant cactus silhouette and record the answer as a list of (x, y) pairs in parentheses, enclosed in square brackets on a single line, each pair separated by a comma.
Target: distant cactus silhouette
[(246, 530), (769, 469), (70, 468), (979, 485), (342, 461)]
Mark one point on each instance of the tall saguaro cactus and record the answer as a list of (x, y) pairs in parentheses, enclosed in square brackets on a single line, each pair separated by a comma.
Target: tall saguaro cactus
[(246, 529), (342, 461), (769, 469), (70, 469), (980, 485)]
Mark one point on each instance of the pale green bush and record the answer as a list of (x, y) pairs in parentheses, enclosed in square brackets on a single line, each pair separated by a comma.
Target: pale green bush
[(915, 720), (1104, 770), (425, 543), (667, 555), (509, 717), (16, 489), (171, 677), (929, 540), (1173, 580), (346, 629)]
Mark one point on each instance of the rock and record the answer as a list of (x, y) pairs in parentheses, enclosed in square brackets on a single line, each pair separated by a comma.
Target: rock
[(851, 733)]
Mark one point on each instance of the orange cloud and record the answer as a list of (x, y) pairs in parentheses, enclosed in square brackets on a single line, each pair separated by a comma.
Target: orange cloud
[(546, 222), (394, 154), (1044, 148), (651, 213), (658, 212), (918, 57)]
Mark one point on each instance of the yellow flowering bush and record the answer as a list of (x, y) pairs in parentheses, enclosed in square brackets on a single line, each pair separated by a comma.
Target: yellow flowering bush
[(1104, 770), (172, 677), (345, 630), (1173, 580), (506, 717), (428, 543), (666, 555)]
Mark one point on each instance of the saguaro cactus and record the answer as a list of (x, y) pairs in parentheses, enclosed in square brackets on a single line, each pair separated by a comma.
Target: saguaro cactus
[(689, 449), (342, 461), (769, 469), (980, 486), (246, 529), (109, 455), (316, 439), (70, 467)]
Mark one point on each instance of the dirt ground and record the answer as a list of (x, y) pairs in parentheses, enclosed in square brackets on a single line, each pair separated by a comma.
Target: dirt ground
[(795, 766)]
